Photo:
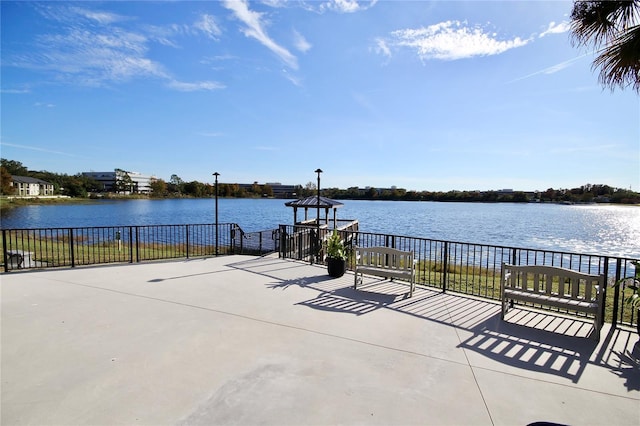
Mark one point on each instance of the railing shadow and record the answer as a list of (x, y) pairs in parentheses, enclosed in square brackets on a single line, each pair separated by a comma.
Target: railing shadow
[(524, 345), (348, 300), (541, 342)]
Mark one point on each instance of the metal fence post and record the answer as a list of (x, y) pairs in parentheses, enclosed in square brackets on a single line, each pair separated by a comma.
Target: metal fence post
[(131, 244), (604, 298), (72, 248), (616, 295), (187, 235), (137, 244), (4, 250), (283, 242), (445, 266)]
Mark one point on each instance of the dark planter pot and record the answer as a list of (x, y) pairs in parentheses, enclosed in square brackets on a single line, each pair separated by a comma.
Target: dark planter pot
[(336, 267)]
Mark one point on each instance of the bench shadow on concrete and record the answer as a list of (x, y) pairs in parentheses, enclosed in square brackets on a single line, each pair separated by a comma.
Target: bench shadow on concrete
[(538, 341)]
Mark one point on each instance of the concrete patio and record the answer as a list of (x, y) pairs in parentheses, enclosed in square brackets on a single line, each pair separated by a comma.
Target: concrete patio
[(244, 340)]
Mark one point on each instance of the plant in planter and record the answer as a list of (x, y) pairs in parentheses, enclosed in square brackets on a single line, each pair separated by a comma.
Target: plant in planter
[(633, 300), (336, 255)]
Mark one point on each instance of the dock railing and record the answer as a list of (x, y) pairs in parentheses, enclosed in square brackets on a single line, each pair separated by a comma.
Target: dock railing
[(474, 269), (461, 267)]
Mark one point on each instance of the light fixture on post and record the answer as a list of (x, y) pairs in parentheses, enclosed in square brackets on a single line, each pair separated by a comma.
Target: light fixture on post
[(318, 171), (216, 174)]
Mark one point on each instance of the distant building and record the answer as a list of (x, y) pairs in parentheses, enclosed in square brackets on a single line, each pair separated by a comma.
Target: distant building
[(122, 181), (26, 186), (279, 190)]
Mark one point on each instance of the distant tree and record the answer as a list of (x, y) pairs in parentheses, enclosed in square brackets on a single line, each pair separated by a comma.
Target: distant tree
[(228, 190), (6, 187), (613, 29), (371, 193), (123, 183), (14, 167), (195, 189), (75, 188), (309, 189), (256, 189), (520, 197), (158, 187), (176, 185)]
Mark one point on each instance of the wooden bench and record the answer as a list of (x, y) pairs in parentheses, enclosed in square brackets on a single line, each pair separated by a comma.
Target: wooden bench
[(553, 286), (385, 262)]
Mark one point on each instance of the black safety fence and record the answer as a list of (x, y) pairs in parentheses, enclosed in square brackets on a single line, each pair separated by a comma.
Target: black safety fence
[(468, 268)]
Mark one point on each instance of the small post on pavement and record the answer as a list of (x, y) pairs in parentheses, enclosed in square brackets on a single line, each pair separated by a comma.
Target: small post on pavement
[(216, 174), (317, 253)]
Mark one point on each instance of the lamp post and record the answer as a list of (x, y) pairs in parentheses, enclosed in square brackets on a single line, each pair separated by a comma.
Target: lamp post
[(318, 171), (216, 174)]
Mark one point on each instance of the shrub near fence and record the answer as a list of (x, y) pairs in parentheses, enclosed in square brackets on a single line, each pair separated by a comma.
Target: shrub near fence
[(474, 269)]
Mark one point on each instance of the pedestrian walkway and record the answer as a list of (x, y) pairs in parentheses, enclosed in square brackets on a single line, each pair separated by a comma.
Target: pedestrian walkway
[(240, 340)]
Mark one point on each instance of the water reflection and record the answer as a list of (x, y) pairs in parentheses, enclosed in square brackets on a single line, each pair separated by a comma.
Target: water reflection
[(593, 229)]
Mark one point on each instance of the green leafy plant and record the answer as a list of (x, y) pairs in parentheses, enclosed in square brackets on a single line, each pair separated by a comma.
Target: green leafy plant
[(335, 247), (632, 283)]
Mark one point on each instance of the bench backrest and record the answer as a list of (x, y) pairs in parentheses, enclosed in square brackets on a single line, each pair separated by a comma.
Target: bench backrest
[(553, 281), (384, 257)]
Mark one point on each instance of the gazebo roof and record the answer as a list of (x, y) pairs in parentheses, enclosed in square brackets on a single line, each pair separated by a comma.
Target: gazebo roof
[(325, 203)]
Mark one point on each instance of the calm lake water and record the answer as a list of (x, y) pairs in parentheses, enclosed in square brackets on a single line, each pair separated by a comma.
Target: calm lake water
[(592, 229)]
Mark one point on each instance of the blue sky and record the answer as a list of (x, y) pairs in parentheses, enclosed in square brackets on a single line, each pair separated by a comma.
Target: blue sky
[(422, 95)]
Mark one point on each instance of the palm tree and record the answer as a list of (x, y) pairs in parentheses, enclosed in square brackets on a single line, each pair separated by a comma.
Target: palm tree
[(613, 28)]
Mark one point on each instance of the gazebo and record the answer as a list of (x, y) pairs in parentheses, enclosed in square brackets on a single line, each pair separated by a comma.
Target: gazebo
[(312, 203)]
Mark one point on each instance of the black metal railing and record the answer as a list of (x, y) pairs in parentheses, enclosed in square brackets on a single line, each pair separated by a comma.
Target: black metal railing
[(70, 247), (468, 268)]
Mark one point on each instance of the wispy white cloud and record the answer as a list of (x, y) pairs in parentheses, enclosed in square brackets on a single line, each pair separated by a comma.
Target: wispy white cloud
[(65, 13), (300, 42), (551, 69), (292, 78), (255, 28), (92, 49), (195, 86), (208, 25), (36, 148), (44, 104), (451, 40), (382, 48), (16, 91), (92, 58), (554, 28), (347, 6), (98, 16)]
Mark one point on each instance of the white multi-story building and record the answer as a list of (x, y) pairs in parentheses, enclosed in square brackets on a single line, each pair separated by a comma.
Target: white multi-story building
[(122, 181), (31, 187)]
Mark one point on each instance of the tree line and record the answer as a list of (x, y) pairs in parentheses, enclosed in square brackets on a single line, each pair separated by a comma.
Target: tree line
[(81, 186)]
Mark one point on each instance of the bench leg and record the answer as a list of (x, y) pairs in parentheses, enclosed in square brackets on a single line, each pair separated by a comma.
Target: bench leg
[(596, 328), (505, 307)]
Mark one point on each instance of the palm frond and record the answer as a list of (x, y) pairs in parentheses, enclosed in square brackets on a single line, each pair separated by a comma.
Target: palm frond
[(619, 62)]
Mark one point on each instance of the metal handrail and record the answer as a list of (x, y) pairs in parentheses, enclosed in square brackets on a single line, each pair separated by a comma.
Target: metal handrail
[(461, 267), (469, 268)]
